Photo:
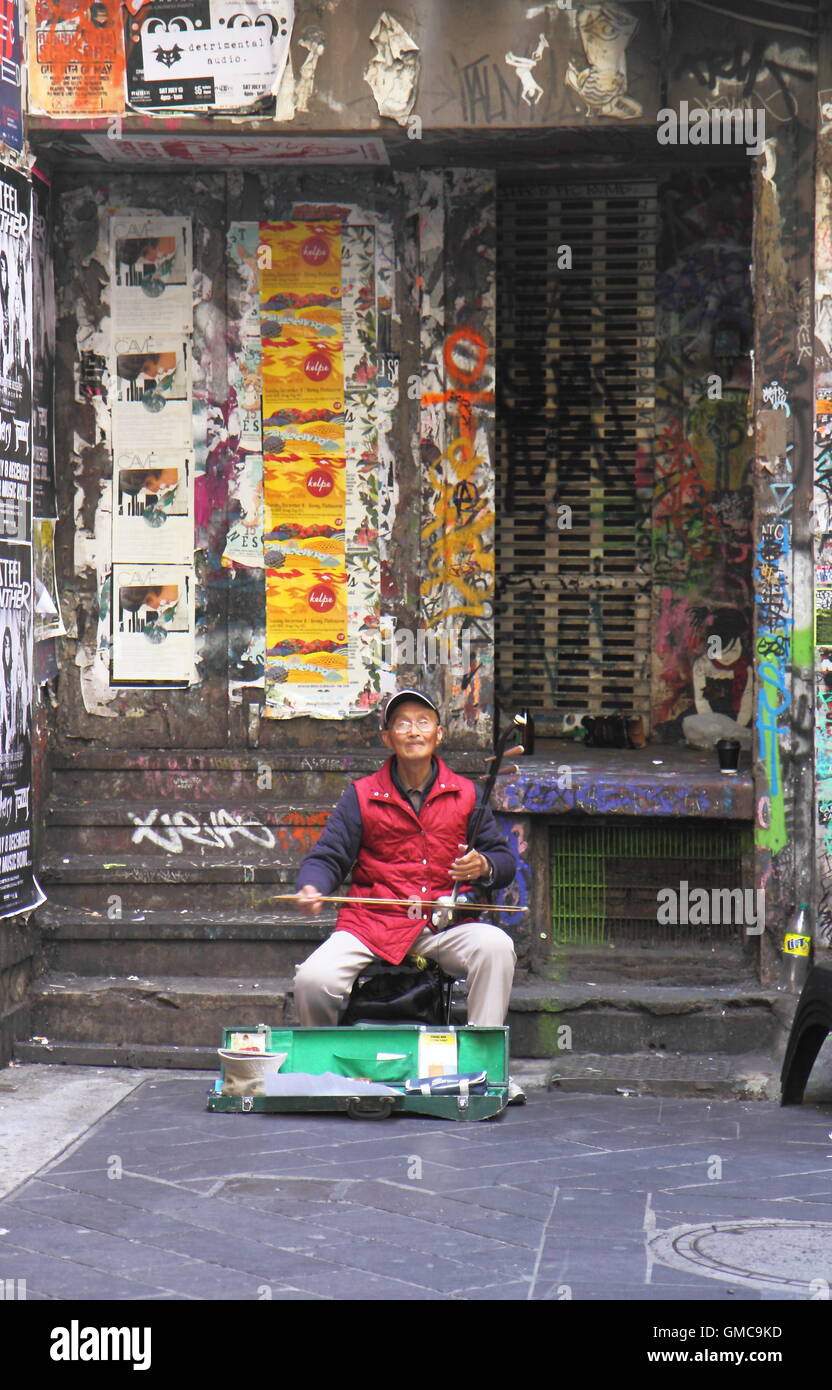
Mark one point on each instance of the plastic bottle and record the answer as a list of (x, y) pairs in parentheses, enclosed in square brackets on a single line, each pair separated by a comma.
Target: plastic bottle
[(528, 732), (798, 952)]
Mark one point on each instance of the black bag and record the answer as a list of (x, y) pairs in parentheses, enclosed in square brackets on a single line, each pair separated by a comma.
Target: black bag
[(613, 731), (398, 994)]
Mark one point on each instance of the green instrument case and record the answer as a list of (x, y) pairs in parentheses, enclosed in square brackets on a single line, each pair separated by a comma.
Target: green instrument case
[(391, 1055)]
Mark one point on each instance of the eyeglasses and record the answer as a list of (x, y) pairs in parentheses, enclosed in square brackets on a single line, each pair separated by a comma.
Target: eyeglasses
[(402, 726)]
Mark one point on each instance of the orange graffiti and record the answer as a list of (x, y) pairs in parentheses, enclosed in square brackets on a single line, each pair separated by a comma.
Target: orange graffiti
[(461, 395)]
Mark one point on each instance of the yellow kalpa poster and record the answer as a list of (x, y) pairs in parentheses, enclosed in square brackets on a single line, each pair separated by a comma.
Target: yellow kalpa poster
[(305, 469)]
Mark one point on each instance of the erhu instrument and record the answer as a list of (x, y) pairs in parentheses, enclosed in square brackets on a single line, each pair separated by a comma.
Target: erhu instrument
[(451, 904)]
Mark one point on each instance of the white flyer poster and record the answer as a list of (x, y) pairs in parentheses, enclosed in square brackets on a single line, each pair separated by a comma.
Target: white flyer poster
[(153, 625), (215, 54), (151, 391), (153, 515), (152, 262)]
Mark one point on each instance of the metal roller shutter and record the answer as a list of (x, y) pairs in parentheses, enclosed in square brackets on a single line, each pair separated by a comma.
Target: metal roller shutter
[(575, 381)]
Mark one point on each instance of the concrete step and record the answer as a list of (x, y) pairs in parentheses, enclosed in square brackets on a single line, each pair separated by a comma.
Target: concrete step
[(62, 915), (152, 1009), (550, 1019), (249, 864), (554, 1023), (118, 827), (745, 1076), (189, 944), (655, 962), (724, 1076), (215, 776), (246, 811), (104, 898)]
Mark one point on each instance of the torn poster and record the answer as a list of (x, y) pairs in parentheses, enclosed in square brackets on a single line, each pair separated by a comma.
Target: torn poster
[(243, 550), (153, 519), (244, 368), (153, 625), (224, 55), (48, 621), (152, 270), (151, 391), (43, 330), (393, 71), (75, 58), (231, 149), (15, 355), (19, 889), (244, 541), (11, 57)]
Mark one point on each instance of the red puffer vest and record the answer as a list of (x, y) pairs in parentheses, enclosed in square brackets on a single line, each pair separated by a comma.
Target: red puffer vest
[(403, 855)]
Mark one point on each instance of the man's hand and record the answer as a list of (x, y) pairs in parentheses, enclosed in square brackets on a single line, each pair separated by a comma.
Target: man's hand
[(309, 901), (469, 867)]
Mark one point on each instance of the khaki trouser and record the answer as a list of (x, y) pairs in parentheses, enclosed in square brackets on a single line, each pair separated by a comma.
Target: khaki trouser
[(481, 952)]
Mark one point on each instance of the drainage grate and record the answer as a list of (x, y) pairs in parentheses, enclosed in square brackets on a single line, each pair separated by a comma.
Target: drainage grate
[(606, 879)]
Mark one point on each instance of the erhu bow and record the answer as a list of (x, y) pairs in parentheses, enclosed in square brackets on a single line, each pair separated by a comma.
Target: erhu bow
[(446, 915)]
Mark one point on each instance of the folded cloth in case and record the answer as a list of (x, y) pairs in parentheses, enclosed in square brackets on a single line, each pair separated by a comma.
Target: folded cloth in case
[(301, 1083), (469, 1083)]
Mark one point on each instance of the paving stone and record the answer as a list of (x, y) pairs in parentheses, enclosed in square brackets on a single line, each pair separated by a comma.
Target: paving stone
[(55, 1277), (413, 1234), (441, 1211), (316, 1207)]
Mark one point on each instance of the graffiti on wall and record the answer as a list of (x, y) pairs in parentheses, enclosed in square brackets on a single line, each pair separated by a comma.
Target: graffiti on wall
[(456, 422), (774, 626), (702, 496), (823, 649)]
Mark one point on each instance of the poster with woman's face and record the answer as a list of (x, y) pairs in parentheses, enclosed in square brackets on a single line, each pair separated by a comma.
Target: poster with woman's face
[(151, 274), (151, 391), (153, 513), (153, 625)]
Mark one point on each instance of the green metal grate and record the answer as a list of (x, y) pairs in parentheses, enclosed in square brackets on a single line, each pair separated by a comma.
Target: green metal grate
[(606, 878)]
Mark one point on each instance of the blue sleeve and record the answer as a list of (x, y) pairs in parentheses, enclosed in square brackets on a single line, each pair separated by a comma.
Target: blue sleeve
[(331, 858)]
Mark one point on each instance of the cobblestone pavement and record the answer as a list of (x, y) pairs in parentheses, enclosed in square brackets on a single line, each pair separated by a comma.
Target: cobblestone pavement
[(571, 1196)]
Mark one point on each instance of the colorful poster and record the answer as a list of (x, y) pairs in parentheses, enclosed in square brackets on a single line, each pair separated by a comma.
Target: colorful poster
[(11, 55), (153, 625), (320, 447), (305, 462), (15, 356), (75, 58), (223, 55), (19, 890), (43, 329)]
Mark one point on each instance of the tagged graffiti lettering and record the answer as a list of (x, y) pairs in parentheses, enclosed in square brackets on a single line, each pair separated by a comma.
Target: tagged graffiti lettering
[(217, 829), (457, 554)]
